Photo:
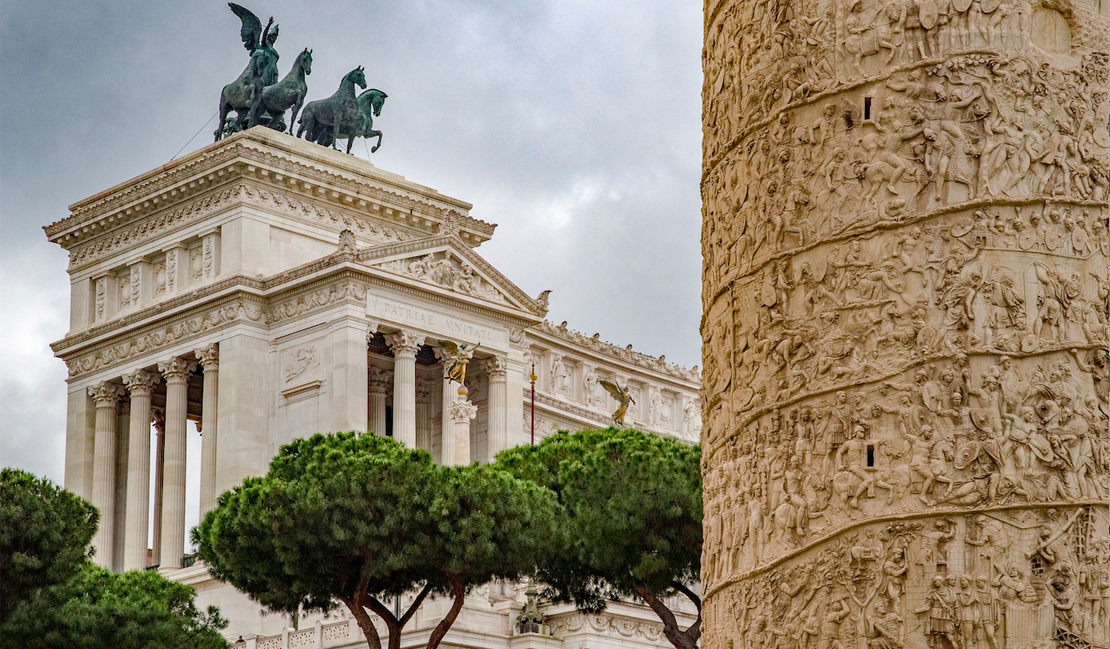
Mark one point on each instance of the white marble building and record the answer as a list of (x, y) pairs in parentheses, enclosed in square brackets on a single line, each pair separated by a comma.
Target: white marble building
[(265, 288)]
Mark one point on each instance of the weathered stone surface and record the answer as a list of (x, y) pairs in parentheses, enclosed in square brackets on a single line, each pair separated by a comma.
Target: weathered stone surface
[(905, 293)]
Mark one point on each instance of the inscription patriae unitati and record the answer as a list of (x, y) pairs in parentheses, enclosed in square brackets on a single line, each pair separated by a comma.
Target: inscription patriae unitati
[(905, 329), (438, 322)]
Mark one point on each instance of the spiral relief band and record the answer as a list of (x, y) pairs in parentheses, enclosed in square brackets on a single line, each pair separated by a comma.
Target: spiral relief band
[(905, 334)]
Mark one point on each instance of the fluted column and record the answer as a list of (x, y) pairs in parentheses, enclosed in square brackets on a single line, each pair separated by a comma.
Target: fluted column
[(140, 385), (158, 416), (461, 412), (498, 405), (210, 361), (379, 380), (123, 443), (176, 372), (105, 397), (423, 414), (447, 427), (404, 346)]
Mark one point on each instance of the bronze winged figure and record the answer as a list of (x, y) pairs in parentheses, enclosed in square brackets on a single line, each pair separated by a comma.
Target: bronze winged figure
[(621, 394), (262, 71), (458, 356)]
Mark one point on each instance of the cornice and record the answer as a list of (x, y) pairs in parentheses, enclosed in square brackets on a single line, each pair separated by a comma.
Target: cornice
[(321, 284), (277, 159)]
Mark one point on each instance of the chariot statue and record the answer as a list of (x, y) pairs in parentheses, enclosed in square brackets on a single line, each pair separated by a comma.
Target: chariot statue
[(261, 71), (258, 98)]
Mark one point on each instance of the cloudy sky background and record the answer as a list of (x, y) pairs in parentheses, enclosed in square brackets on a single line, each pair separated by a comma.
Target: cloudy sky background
[(573, 124)]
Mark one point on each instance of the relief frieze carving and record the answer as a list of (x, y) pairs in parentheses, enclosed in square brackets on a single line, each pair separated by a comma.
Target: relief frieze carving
[(446, 271), (905, 284)]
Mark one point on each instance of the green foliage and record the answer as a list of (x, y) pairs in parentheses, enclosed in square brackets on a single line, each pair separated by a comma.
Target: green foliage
[(54, 597), (44, 535), (630, 521), (98, 608), (361, 519)]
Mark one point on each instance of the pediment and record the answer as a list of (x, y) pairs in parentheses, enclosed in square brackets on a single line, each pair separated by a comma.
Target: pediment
[(447, 263)]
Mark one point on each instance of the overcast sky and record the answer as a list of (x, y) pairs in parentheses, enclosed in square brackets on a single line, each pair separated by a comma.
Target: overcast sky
[(573, 125)]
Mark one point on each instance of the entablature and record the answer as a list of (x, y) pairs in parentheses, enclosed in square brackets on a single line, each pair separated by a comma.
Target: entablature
[(283, 163)]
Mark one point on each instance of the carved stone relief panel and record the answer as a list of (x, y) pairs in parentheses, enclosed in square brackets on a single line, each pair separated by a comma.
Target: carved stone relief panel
[(905, 334)]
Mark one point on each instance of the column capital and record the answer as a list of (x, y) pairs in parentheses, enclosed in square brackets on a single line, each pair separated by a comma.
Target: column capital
[(495, 367), (140, 382), (158, 418), (209, 356), (176, 369), (404, 342), (380, 380), (105, 394), (371, 330), (463, 411)]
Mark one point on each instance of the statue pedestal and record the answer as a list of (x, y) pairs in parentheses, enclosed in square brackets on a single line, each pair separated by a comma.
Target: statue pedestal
[(462, 411)]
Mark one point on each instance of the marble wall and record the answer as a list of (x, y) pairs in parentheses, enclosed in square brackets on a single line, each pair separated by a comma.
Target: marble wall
[(905, 332)]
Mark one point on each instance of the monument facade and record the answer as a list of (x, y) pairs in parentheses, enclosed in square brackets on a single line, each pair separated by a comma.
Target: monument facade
[(266, 288), (905, 330)]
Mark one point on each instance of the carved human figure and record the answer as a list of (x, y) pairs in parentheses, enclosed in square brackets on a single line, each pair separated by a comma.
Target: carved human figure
[(940, 625)]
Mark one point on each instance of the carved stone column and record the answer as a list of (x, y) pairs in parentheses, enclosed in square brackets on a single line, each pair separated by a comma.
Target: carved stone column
[(105, 398), (424, 389), (404, 346), (158, 418), (379, 385), (448, 392), (139, 384), (123, 445), (498, 405), (460, 414), (210, 362), (905, 323), (176, 372)]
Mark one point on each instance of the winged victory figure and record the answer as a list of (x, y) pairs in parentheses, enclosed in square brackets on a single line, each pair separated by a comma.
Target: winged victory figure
[(621, 394), (262, 71), (458, 355)]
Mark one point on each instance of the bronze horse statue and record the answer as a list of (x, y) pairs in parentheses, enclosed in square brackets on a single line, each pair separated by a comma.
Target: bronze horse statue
[(239, 95), (270, 105), (339, 111), (369, 106)]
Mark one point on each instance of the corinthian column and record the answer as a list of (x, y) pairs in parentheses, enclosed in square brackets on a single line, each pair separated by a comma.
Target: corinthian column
[(404, 346), (105, 398), (498, 405), (176, 371), (210, 361), (379, 385), (448, 392), (158, 417), (423, 414), (139, 384)]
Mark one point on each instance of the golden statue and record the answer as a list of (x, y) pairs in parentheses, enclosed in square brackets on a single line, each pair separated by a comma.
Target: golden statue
[(621, 395), (458, 355)]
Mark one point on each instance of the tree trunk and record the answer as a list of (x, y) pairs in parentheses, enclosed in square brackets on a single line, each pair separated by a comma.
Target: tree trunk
[(681, 639), (364, 622), (458, 589)]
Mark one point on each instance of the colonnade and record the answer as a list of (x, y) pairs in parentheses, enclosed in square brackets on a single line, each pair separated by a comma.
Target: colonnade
[(412, 421), (121, 459)]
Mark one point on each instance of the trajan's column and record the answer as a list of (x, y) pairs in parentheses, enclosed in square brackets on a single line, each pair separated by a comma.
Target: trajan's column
[(905, 294)]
